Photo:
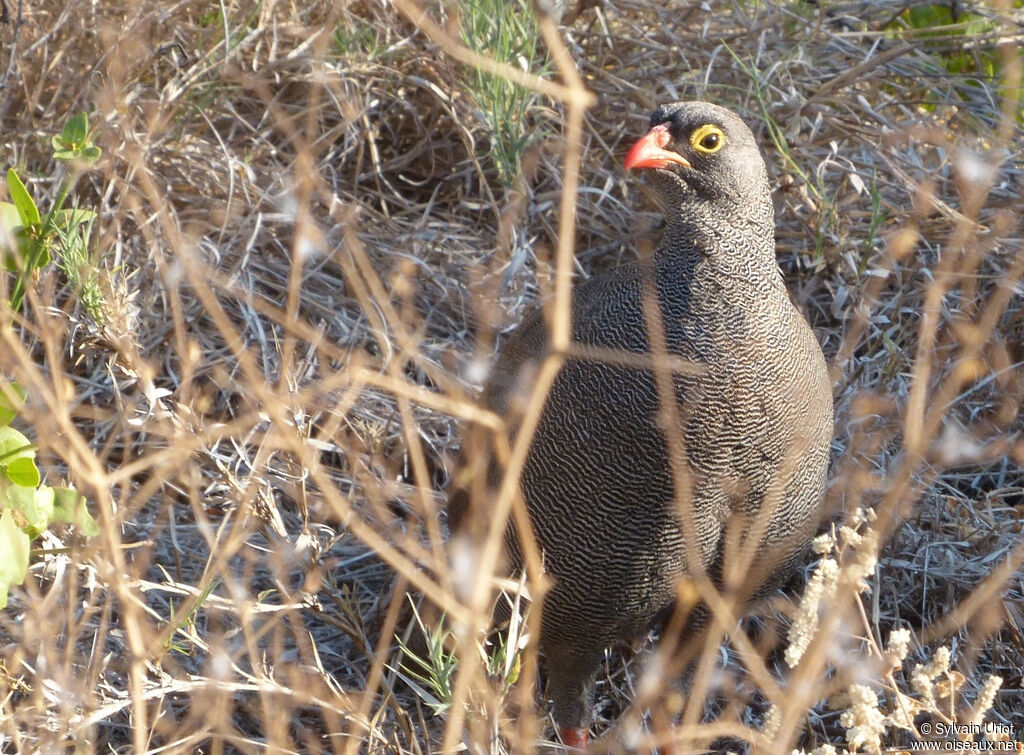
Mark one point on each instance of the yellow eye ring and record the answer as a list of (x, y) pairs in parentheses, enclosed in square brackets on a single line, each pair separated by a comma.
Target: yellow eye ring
[(708, 139)]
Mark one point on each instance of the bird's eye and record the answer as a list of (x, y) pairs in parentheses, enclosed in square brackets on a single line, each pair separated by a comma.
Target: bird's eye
[(707, 139)]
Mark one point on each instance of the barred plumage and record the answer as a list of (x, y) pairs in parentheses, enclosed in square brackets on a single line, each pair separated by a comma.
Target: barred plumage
[(755, 421)]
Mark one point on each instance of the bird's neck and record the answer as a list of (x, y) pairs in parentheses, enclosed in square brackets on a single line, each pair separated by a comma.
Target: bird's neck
[(739, 244)]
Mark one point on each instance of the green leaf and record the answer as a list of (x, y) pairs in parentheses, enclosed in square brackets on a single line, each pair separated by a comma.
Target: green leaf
[(10, 221), (35, 505), (12, 398), (14, 445), (24, 472), (27, 210), (929, 16), (42, 256), (69, 506), (76, 129), (73, 142), (14, 545), (41, 511)]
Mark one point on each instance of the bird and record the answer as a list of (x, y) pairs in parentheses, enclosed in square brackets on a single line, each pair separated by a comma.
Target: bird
[(624, 498)]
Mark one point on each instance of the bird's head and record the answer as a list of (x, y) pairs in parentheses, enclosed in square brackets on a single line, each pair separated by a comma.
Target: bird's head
[(698, 153)]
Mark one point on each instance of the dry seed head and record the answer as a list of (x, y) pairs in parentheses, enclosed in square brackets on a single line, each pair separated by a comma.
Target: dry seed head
[(897, 647), (867, 554), (938, 666), (923, 675), (821, 585), (849, 537), (864, 723), (772, 722), (986, 697), (922, 684), (823, 750), (904, 710), (823, 544)]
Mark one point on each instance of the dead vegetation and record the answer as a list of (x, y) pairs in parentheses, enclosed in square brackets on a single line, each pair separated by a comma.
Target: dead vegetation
[(309, 254)]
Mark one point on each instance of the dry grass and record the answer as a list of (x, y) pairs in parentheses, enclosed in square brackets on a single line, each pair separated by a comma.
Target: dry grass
[(310, 258)]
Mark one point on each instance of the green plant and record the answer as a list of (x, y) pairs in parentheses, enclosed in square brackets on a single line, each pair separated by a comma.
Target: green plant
[(77, 264), (431, 676), (505, 659), (506, 32), (27, 507), (879, 215), (963, 43), (186, 627), (211, 19), (945, 30), (357, 37), (27, 237)]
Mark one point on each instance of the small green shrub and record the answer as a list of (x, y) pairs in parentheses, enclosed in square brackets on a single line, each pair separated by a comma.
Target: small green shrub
[(506, 32), (432, 675), (27, 507), (27, 240), (28, 237)]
